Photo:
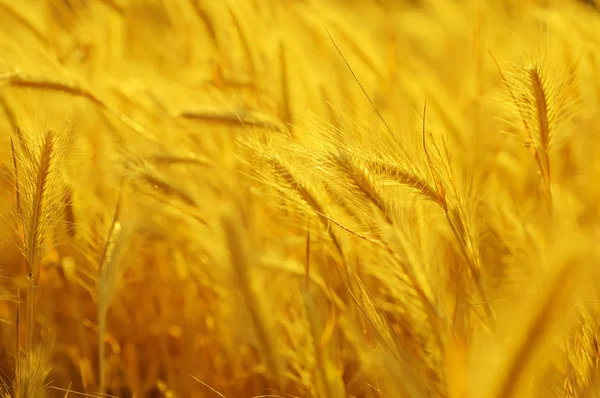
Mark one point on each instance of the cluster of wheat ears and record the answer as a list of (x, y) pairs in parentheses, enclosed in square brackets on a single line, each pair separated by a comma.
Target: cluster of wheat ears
[(305, 198)]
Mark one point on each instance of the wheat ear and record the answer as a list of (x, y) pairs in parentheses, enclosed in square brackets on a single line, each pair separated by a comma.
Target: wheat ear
[(364, 182), (540, 94), (35, 230), (408, 179), (540, 144), (307, 197)]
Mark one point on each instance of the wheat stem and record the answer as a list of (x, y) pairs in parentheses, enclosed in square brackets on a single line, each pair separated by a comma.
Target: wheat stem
[(239, 257), (105, 262)]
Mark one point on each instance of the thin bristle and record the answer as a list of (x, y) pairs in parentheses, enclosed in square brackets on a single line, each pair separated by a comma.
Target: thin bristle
[(70, 212)]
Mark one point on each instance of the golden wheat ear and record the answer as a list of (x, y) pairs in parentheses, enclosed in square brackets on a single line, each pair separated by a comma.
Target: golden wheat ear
[(542, 94), (306, 195), (39, 199), (33, 372), (38, 205), (363, 183)]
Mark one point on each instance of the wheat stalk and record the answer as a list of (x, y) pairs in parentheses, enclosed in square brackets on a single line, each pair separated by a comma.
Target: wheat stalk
[(242, 263), (107, 277)]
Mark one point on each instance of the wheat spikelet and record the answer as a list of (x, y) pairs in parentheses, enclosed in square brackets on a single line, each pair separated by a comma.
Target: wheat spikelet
[(363, 182), (407, 178), (540, 95), (542, 92), (309, 198)]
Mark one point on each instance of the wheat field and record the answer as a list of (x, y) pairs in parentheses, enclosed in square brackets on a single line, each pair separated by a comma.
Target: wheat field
[(302, 198)]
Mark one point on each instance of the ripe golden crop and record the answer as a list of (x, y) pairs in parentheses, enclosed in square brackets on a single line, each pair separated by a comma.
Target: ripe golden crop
[(302, 198)]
